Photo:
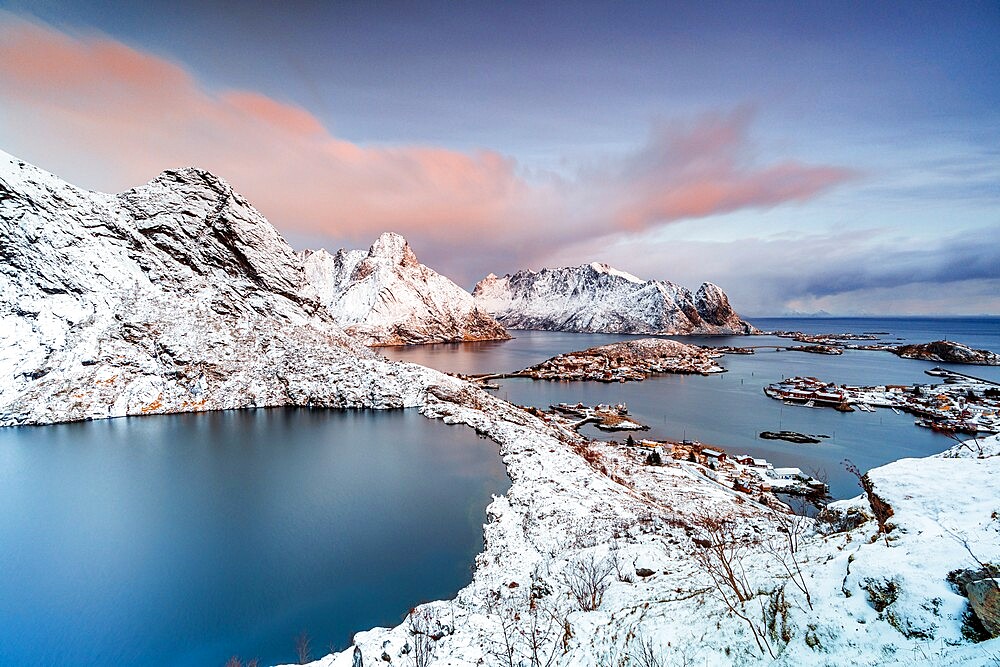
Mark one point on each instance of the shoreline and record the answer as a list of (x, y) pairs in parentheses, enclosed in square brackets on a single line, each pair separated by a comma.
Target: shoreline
[(573, 499)]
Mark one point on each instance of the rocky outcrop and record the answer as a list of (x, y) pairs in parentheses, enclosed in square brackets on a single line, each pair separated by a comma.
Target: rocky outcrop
[(632, 360), (174, 296), (984, 601), (385, 296), (949, 352), (596, 298)]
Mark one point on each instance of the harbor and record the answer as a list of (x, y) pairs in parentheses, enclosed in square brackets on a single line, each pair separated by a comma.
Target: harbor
[(959, 404)]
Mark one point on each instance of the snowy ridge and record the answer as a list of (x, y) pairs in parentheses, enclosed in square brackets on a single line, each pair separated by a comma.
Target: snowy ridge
[(174, 296), (596, 298), (387, 297)]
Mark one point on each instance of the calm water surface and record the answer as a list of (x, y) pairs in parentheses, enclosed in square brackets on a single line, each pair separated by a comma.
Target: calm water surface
[(185, 539), (730, 409)]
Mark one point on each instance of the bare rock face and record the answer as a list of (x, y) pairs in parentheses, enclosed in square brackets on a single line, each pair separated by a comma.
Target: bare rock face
[(984, 600), (949, 352), (174, 296), (387, 297), (596, 298)]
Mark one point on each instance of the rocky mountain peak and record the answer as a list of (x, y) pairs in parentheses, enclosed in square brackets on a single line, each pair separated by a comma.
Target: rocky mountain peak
[(176, 295), (598, 298), (387, 297), (393, 247), (203, 226)]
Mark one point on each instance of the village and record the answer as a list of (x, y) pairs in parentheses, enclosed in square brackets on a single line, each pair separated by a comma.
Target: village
[(960, 404), (742, 473)]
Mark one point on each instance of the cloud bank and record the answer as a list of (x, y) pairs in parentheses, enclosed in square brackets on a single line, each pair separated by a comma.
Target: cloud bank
[(108, 116)]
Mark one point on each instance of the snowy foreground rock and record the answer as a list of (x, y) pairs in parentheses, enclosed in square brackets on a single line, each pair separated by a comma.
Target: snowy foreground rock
[(595, 298), (178, 296), (387, 297)]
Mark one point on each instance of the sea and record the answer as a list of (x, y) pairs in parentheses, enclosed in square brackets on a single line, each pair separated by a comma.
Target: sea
[(729, 410), (187, 539)]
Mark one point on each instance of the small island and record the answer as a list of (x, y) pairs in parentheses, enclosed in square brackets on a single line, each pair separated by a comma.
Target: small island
[(628, 361), (948, 352), (791, 436)]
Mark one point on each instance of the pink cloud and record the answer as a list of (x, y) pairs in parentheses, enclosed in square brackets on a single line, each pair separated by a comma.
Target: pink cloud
[(105, 115), (702, 169)]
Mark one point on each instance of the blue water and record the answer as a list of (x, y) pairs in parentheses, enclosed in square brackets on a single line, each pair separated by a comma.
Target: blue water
[(185, 539), (730, 409)]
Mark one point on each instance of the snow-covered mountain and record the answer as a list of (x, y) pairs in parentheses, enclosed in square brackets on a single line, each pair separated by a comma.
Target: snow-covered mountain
[(174, 296), (596, 298), (385, 296)]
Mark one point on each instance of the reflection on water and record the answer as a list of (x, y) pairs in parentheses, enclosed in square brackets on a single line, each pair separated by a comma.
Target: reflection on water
[(184, 539)]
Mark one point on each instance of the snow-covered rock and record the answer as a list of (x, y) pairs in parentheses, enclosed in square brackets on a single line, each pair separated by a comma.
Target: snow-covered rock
[(387, 297), (597, 298), (174, 296), (948, 352)]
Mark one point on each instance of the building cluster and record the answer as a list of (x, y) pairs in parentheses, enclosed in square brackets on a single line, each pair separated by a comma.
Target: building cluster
[(742, 472), (960, 404)]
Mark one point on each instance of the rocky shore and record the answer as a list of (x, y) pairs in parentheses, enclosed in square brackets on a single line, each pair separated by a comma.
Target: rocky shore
[(817, 349)]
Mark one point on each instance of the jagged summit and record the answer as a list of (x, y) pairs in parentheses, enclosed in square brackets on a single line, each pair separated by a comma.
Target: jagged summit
[(394, 248), (601, 267), (176, 295), (387, 297), (597, 298)]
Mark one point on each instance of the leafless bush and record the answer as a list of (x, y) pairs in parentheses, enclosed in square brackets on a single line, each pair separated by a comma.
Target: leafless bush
[(540, 634), (643, 653), (419, 626), (529, 631), (235, 661), (972, 444), (302, 648), (785, 549), (720, 556), (586, 578), (623, 569), (503, 645)]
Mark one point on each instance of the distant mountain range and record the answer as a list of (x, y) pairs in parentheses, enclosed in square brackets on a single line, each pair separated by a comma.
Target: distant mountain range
[(597, 298)]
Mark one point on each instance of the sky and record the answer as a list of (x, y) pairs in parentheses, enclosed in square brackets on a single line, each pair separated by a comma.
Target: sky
[(839, 157)]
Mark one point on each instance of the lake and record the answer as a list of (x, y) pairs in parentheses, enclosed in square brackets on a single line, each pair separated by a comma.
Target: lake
[(730, 409), (185, 539)]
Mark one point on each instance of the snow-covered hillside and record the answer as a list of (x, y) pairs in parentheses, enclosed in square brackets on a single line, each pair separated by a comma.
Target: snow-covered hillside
[(177, 295), (596, 298), (594, 558), (387, 297)]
